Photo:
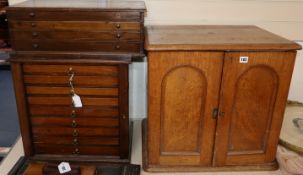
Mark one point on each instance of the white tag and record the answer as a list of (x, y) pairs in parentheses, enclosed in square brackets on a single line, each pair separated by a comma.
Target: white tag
[(76, 101), (243, 59), (64, 167)]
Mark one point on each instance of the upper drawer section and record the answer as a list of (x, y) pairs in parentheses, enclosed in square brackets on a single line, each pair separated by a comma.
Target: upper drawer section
[(37, 15)]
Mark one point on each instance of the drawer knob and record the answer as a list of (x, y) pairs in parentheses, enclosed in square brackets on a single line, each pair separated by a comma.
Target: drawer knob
[(118, 26), (73, 113), (118, 47), (35, 34), (75, 133), (33, 24), (74, 124), (76, 151), (118, 35), (32, 14), (35, 46), (75, 142)]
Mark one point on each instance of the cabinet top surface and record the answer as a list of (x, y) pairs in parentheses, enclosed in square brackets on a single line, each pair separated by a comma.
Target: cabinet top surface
[(82, 4), (214, 37)]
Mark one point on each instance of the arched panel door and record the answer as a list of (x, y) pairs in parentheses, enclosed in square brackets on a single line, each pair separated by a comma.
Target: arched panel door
[(253, 101), (183, 91)]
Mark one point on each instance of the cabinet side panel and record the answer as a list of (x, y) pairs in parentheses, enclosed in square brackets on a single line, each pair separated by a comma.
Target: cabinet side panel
[(183, 101)]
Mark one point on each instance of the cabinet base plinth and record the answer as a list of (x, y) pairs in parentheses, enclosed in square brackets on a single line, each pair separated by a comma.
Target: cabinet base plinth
[(176, 168)]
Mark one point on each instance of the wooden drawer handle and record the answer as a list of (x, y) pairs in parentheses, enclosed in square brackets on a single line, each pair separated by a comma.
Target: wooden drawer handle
[(35, 46), (32, 14)]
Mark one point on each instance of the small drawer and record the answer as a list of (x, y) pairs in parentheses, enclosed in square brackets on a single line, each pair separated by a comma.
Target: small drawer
[(48, 69), (48, 90), (80, 150), (76, 36), (74, 132), (65, 15), (86, 111), (78, 81), (74, 122), (73, 25), (67, 101), (40, 45), (67, 140)]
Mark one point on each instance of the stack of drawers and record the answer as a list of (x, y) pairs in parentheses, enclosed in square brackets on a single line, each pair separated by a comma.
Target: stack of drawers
[(84, 50)]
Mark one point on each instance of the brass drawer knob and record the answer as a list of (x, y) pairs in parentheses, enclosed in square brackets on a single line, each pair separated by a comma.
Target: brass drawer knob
[(32, 14), (74, 124), (75, 142), (34, 34), (75, 133), (118, 35), (35, 46), (76, 151), (118, 26), (118, 47), (73, 114)]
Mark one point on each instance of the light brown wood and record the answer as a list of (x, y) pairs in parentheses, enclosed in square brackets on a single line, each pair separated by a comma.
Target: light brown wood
[(183, 91), (212, 110), (219, 38), (253, 100)]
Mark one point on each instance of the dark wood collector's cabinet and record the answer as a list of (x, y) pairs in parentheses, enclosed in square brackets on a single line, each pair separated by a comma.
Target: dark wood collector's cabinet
[(216, 97), (75, 47)]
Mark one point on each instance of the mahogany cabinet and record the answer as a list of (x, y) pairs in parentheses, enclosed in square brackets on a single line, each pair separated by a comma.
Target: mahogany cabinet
[(62, 49), (216, 97)]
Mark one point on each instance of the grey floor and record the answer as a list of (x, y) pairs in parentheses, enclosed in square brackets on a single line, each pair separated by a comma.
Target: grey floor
[(9, 126)]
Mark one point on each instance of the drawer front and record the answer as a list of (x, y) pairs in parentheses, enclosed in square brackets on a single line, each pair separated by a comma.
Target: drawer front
[(75, 132), (76, 36), (74, 122), (81, 150), (81, 141), (86, 111), (32, 14), (73, 25), (40, 45)]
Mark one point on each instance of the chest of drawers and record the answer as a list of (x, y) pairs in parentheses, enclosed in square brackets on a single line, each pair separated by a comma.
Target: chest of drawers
[(67, 49)]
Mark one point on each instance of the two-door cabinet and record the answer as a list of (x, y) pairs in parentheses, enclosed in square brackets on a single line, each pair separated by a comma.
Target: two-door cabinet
[(216, 97)]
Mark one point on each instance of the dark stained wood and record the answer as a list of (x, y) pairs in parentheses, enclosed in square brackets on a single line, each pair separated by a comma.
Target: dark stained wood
[(69, 140), (123, 111), (24, 122), (183, 90), (83, 150), (67, 101), (76, 36), (86, 111), (253, 100), (216, 37), (210, 110)]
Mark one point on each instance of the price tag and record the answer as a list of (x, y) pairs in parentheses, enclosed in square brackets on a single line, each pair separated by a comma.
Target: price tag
[(76, 101), (64, 167), (244, 59)]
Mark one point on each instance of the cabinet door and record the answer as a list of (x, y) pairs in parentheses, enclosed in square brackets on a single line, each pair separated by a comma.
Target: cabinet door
[(253, 98), (183, 90)]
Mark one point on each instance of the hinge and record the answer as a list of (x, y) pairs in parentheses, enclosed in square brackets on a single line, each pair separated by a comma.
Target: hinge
[(217, 113)]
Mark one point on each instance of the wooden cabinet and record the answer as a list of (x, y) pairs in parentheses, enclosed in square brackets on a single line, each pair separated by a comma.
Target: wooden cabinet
[(215, 103), (62, 50)]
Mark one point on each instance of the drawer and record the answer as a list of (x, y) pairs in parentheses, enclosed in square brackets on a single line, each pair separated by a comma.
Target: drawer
[(40, 45), (45, 90), (76, 36), (74, 25), (75, 132), (67, 101), (31, 14), (66, 140), (68, 69), (81, 150), (78, 80), (74, 122), (86, 111)]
